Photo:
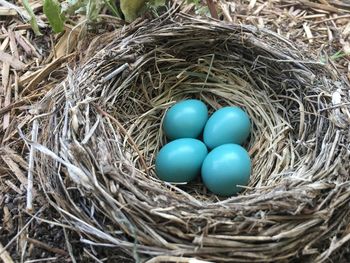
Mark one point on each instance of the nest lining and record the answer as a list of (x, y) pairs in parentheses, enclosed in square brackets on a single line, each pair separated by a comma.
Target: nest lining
[(100, 139)]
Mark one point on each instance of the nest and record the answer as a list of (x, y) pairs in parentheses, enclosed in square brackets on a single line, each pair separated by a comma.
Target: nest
[(100, 131)]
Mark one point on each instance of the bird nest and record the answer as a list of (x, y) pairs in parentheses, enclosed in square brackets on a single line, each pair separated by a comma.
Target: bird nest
[(100, 131)]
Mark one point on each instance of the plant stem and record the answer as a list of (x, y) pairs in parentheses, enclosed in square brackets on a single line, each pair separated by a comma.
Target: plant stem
[(212, 9)]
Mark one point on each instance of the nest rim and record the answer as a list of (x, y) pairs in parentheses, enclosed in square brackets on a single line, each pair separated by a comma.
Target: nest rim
[(270, 210)]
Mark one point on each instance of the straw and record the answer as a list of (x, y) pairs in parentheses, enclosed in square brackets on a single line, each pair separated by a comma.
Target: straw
[(96, 148)]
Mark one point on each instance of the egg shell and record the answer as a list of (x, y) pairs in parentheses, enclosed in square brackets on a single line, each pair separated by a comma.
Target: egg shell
[(224, 168), (185, 119), (226, 125), (180, 160)]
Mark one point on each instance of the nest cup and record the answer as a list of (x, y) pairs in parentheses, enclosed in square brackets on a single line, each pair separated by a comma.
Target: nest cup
[(104, 131)]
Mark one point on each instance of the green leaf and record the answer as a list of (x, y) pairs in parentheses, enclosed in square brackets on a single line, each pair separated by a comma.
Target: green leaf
[(338, 55), (157, 3), (112, 8), (93, 9), (74, 6), (56, 19), (32, 20), (196, 2)]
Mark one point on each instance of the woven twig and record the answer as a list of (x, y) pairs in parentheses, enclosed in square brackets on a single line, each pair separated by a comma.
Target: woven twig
[(100, 139)]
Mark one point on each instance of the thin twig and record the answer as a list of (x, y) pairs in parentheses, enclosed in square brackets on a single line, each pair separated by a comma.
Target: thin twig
[(31, 166), (2, 250), (5, 256), (47, 247)]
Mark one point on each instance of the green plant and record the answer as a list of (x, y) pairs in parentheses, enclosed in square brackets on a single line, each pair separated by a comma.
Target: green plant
[(336, 56), (339, 54), (52, 10), (32, 20), (57, 12)]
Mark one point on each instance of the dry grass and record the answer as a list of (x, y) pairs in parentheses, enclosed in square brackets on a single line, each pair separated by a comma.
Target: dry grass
[(99, 135), (101, 131)]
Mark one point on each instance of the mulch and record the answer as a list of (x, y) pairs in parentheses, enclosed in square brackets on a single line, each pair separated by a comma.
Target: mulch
[(31, 66)]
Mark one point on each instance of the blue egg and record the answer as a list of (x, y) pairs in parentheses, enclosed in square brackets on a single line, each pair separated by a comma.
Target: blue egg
[(180, 160), (227, 125), (185, 119), (224, 168)]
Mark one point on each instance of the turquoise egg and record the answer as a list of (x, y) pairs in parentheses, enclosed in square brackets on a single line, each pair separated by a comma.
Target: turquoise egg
[(185, 119), (226, 125), (180, 160), (224, 168)]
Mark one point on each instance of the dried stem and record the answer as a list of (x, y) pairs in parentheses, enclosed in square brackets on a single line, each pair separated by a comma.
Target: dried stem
[(31, 167), (107, 130), (212, 9)]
